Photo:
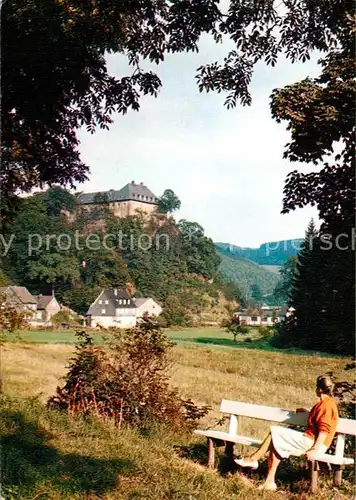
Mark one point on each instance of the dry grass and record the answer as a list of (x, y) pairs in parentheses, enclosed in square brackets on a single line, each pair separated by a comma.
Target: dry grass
[(30, 370), (156, 472)]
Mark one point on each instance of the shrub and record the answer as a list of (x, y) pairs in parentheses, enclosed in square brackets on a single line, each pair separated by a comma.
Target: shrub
[(174, 313), (267, 332), (11, 319), (64, 317), (233, 326), (161, 321), (127, 382)]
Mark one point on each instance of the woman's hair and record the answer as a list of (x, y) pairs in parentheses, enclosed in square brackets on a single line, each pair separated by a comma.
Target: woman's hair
[(325, 384)]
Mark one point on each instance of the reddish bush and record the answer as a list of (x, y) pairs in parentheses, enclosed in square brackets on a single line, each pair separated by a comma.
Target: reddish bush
[(126, 381)]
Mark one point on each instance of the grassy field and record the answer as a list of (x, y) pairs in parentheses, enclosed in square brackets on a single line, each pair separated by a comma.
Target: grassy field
[(60, 458), (199, 337)]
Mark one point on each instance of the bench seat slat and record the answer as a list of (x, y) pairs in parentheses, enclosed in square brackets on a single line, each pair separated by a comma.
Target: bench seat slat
[(225, 436), (332, 459)]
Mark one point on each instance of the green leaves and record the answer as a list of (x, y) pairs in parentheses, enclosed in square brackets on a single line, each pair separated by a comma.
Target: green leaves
[(287, 274), (56, 77), (52, 267), (168, 202)]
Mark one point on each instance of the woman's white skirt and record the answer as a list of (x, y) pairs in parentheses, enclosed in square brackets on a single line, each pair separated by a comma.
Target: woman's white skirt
[(289, 442)]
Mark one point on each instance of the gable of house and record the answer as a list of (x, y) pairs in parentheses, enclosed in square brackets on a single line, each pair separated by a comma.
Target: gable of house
[(148, 305), (111, 300), (46, 301)]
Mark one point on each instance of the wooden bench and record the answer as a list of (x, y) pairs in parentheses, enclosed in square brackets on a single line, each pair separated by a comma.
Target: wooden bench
[(237, 409)]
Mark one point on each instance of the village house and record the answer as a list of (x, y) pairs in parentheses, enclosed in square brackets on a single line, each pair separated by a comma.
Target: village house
[(21, 299), (47, 306), (113, 307), (128, 201), (116, 308), (38, 310), (147, 307), (266, 316)]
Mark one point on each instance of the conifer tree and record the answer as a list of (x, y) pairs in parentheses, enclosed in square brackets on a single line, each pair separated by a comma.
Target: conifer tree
[(322, 295), (300, 328)]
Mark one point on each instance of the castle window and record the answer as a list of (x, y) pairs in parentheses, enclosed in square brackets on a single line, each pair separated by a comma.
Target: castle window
[(100, 301), (103, 311), (106, 302)]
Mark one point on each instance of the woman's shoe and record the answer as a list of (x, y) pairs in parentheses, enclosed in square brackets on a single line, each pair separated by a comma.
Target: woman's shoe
[(268, 486), (244, 462)]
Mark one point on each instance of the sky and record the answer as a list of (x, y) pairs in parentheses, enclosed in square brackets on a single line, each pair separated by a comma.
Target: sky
[(226, 166)]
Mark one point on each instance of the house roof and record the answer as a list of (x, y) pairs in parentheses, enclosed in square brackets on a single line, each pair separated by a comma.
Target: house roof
[(268, 313), (43, 301), (139, 302), (282, 311), (114, 298), (21, 293), (130, 192), (142, 300)]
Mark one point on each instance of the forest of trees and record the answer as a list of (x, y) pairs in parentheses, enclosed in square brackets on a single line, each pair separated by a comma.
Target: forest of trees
[(247, 274), (174, 262)]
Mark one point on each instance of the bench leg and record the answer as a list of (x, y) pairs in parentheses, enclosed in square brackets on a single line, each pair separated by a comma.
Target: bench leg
[(229, 449), (338, 475), (211, 454), (314, 473)]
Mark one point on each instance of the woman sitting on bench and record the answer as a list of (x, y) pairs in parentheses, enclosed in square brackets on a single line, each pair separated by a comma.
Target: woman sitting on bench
[(282, 442)]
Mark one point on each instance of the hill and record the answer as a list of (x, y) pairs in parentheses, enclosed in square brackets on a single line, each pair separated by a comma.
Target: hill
[(247, 273), (152, 256), (272, 253)]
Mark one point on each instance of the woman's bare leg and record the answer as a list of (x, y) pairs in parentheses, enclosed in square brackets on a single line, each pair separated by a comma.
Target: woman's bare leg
[(273, 461), (262, 450), (252, 460)]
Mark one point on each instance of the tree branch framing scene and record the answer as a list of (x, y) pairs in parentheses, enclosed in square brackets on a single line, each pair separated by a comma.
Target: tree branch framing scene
[(179, 337)]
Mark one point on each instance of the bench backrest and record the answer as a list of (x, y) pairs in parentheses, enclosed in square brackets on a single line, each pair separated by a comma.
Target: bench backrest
[(280, 415)]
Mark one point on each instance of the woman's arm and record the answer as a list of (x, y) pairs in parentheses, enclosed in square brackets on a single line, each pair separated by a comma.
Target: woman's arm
[(313, 452)]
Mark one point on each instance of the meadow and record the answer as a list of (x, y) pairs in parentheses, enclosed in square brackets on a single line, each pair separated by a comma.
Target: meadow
[(48, 455)]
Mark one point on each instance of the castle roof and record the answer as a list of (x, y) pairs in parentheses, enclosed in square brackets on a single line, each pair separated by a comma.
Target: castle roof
[(130, 192)]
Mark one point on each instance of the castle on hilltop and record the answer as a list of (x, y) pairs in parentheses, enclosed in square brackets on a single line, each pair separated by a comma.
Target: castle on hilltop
[(128, 201)]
